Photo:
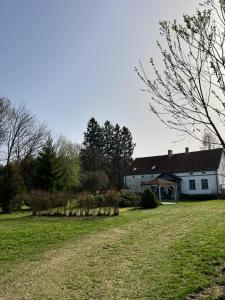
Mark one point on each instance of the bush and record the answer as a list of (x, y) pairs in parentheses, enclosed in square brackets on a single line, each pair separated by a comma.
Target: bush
[(85, 204), (112, 199), (149, 200), (129, 199), (42, 201)]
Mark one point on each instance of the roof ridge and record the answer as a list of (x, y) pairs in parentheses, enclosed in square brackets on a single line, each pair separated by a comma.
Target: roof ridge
[(206, 150)]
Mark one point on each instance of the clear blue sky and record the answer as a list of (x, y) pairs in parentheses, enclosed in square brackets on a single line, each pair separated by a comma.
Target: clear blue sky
[(69, 60)]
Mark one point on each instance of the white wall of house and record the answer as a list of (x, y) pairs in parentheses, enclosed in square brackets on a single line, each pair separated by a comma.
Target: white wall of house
[(134, 182), (210, 176), (221, 174)]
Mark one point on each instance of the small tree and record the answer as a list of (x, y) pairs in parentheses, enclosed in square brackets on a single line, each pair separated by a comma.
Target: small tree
[(69, 163)]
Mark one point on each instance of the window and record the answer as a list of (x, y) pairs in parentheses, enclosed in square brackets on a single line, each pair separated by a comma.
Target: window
[(205, 185), (192, 185)]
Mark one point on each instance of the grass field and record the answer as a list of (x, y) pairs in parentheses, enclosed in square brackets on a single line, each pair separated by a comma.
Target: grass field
[(172, 252)]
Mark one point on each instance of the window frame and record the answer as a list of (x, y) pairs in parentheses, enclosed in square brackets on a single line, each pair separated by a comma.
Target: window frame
[(205, 180), (192, 188)]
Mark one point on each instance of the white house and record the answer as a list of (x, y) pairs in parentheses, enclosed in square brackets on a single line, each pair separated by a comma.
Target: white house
[(198, 172)]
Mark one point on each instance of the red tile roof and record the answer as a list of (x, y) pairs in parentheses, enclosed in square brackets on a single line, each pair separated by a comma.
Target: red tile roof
[(204, 160)]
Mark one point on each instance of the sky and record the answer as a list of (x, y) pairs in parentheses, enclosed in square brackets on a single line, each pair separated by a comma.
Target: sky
[(70, 60)]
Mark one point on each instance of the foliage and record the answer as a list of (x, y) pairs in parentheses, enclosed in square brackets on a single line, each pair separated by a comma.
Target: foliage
[(109, 148), (188, 95), (149, 199), (91, 153), (12, 189), (69, 163), (93, 181), (129, 199), (46, 202), (112, 198), (49, 176), (63, 204), (21, 136)]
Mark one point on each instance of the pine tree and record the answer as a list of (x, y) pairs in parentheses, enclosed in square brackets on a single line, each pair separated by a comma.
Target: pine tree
[(116, 161), (92, 153), (12, 188), (123, 148), (49, 175), (108, 135), (127, 149), (107, 148)]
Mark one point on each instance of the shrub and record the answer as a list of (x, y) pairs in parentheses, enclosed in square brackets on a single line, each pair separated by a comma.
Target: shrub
[(42, 201), (84, 204), (129, 199), (149, 200), (112, 199)]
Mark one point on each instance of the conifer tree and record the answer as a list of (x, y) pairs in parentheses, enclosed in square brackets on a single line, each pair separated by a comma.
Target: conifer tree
[(92, 153), (49, 175), (123, 148), (108, 134)]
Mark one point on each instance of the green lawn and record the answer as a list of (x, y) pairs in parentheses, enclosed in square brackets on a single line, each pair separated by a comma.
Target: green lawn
[(166, 253)]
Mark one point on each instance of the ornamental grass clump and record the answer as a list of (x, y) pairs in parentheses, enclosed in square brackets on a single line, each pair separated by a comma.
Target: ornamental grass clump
[(82, 205), (47, 203)]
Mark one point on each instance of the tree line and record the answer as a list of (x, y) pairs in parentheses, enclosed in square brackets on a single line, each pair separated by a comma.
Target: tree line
[(31, 159)]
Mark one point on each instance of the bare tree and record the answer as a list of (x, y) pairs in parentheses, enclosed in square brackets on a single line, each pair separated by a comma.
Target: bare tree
[(23, 134), (4, 111), (209, 140), (188, 95)]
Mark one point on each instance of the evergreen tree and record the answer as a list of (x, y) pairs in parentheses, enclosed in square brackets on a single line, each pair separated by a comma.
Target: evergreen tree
[(92, 153), (12, 188), (107, 148), (116, 162), (108, 135), (49, 175), (127, 147), (28, 171), (123, 148)]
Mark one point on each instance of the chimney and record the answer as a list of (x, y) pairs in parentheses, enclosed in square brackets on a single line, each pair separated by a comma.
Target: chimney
[(186, 150), (170, 153)]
